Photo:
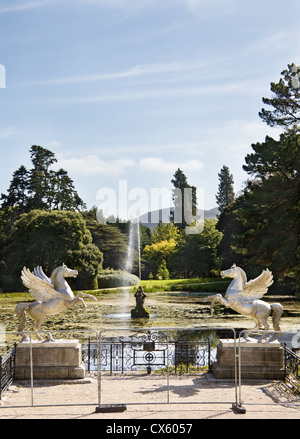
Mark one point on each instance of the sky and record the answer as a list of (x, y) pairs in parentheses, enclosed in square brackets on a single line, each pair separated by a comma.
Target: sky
[(124, 92)]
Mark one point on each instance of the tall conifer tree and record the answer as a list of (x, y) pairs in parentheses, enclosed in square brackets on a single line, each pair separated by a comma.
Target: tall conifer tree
[(225, 194), (185, 200)]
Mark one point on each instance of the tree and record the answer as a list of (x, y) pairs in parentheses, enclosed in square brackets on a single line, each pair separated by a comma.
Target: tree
[(163, 272), (197, 256), (225, 194), (261, 227), (39, 178), (40, 187), (17, 199), (18, 190), (62, 194), (50, 239), (185, 200), (158, 252), (271, 213), (286, 102), (230, 225), (109, 239), (165, 231)]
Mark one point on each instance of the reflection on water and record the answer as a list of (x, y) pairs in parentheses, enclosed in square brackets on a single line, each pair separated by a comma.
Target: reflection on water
[(152, 350), (120, 315), (125, 316), (183, 309)]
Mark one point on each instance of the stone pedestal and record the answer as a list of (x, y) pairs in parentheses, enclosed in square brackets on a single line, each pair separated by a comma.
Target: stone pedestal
[(140, 313), (51, 360), (259, 360)]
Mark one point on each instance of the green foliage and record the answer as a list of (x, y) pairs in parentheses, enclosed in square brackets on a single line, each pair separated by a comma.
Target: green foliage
[(50, 239), (225, 194), (185, 206), (165, 232), (230, 225), (268, 212), (110, 278), (109, 239), (163, 272), (272, 214), (217, 285), (185, 255), (158, 252), (261, 228), (9, 283), (197, 256), (285, 101), (40, 187)]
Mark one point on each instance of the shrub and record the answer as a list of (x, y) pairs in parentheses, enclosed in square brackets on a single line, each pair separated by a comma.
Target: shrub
[(163, 272), (110, 278)]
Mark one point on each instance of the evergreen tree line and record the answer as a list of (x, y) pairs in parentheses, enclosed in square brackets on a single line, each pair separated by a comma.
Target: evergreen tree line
[(43, 221), (261, 226)]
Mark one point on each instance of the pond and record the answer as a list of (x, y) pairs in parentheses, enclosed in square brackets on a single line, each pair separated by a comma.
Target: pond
[(180, 309), (167, 310)]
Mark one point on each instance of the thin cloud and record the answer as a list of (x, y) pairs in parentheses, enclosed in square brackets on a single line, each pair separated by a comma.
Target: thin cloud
[(23, 7), (138, 70), (158, 164), (189, 92), (93, 165)]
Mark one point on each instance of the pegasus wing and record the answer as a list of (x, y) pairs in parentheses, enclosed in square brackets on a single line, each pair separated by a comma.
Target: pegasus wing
[(258, 287), (38, 271), (39, 288)]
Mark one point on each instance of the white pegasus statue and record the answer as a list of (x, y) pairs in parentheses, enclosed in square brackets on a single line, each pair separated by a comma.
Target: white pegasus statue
[(244, 297), (52, 296)]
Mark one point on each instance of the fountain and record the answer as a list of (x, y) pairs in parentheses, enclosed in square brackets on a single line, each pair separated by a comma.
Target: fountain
[(134, 241), (139, 249), (134, 247)]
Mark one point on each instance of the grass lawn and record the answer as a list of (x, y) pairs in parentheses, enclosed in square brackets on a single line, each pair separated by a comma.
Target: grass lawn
[(196, 284)]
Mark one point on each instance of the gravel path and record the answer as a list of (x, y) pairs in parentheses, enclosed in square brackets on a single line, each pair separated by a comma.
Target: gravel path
[(147, 397)]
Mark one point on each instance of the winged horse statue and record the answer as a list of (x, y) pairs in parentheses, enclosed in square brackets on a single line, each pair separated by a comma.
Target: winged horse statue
[(244, 297), (52, 296)]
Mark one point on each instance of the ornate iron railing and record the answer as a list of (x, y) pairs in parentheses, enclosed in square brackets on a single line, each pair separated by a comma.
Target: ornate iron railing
[(7, 370), (151, 350), (292, 368)]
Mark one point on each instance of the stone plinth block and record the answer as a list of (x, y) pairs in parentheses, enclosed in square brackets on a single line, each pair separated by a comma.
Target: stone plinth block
[(51, 360), (259, 360)]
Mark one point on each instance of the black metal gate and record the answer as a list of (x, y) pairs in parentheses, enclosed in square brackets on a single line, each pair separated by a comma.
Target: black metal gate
[(292, 368), (151, 350)]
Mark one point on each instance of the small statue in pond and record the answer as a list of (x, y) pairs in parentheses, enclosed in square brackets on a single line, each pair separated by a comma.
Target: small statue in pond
[(140, 311)]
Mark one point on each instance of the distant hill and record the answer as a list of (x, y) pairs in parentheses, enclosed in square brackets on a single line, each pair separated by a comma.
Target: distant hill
[(151, 219)]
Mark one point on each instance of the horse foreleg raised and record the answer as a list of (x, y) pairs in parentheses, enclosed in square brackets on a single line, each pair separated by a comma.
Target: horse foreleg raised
[(89, 296), (215, 298), (79, 297), (73, 302)]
